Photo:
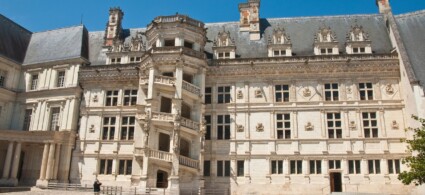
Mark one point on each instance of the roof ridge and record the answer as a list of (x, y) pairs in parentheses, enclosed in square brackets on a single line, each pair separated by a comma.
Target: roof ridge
[(61, 28), (420, 12), (13, 22)]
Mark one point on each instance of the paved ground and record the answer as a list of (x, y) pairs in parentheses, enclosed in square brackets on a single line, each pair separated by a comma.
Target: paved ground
[(49, 192)]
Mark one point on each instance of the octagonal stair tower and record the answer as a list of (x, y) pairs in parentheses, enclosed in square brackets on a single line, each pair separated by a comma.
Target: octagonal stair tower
[(172, 79)]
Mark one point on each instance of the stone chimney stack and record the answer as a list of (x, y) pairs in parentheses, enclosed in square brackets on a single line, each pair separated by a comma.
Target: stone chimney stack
[(384, 6), (250, 19), (113, 27)]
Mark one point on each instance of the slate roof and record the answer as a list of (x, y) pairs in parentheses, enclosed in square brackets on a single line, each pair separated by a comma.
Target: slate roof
[(302, 31), (58, 44), (14, 40), (412, 31)]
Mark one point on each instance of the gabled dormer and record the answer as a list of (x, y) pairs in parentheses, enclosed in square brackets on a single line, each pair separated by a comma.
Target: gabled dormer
[(224, 47), (358, 41), (279, 43), (136, 43), (325, 42)]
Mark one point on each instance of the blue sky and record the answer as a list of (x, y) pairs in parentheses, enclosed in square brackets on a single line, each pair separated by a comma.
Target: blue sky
[(40, 15)]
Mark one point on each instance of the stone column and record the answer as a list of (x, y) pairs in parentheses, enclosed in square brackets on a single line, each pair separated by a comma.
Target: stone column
[(63, 173), (50, 162), (16, 159), (6, 168), (57, 158), (44, 162)]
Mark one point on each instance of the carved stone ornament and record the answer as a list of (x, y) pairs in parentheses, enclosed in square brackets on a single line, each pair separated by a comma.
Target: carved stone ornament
[(357, 34), (240, 94), (95, 98), (240, 128), (260, 127), (352, 126), (306, 92), (279, 37), (325, 34), (349, 90), (223, 39), (394, 125), (309, 127), (258, 93), (91, 129), (389, 89)]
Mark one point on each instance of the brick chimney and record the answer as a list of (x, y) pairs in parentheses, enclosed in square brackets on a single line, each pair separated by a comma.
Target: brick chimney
[(113, 27), (250, 18), (384, 6)]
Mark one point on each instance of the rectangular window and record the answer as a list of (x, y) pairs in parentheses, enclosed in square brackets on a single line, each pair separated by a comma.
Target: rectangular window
[(331, 92), (127, 128), (105, 167), (279, 53), (241, 164), (34, 81), (115, 60), (334, 164), (61, 79), (323, 51), (282, 93), (2, 78), (54, 119), (208, 95), (374, 166), (208, 127), (131, 59), (223, 95), (334, 125), (27, 119), (188, 44), (111, 98), (125, 167), (277, 167), (355, 50), (283, 126), (330, 51), (223, 168), (169, 43), (223, 127), (108, 128), (315, 167), (362, 50), (223, 55), (366, 91), (370, 124), (394, 166), (354, 167), (130, 97), (207, 168), (296, 166)]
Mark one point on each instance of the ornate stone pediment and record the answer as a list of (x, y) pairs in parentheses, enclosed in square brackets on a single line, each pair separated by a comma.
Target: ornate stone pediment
[(357, 34), (137, 43), (223, 39), (279, 36), (325, 35)]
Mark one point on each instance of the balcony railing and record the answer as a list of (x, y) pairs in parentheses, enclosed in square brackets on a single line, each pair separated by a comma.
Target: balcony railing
[(188, 162), (165, 80), (150, 153), (177, 50), (162, 116), (191, 88), (190, 124)]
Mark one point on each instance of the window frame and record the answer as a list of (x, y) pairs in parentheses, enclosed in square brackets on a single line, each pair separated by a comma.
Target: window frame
[(332, 125), (224, 94), (223, 127), (295, 167), (111, 99), (207, 169), (27, 119), (366, 91), (60, 81), (132, 98), (374, 166), (208, 95), (276, 167), (208, 126), (354, 167), (334, 164), (108, 130), (107, 166), (394, 166), (223, 168), (128, 127), (331, 93), (315, 167), (54, 118), (284, 129), (125, 169), (240, 168), (283, 92), (370, 124), (34, 81)]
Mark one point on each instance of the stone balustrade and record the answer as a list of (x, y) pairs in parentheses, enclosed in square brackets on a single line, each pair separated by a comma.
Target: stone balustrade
[(165, 80), (161, 116), (190, 124), (188, 162), (191, 88)]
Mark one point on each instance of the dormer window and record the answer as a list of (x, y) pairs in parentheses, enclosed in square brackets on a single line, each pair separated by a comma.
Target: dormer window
[(115, 60), (325, 42), (135, 59), (169, 43), (358, 41), (279, 44), (223, 46)]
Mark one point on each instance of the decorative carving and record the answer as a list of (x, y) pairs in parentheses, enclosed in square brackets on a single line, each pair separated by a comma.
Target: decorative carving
[(389, 89), (240, 94), (306, 92), (258, 93), (240, 128), (91, 129), (324, 35), (394, 125), (95, 98), (146, 128), (309, 127), (223, 39), (352, 126), (176, 132), (357, 34), (260, 127), (279, 37), (349, 90)]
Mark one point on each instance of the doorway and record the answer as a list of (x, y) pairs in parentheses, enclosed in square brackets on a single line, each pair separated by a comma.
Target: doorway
[(336, 182), (161, 179)]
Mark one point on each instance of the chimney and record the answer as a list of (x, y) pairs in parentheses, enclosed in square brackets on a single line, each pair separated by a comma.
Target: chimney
[(113, 27), (384, 6), (250, 19)]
